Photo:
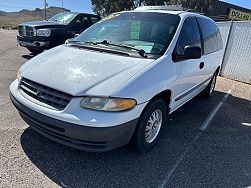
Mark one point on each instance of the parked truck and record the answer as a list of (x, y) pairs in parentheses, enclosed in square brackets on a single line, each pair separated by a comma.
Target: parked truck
[(37, 36)]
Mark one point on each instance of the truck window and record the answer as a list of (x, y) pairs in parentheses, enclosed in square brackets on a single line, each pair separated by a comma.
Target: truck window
[(81, 23), (94, 20)]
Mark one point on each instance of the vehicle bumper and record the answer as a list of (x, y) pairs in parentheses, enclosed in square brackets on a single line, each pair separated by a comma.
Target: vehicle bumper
[(75, 127), (77, 136), (32, 43)]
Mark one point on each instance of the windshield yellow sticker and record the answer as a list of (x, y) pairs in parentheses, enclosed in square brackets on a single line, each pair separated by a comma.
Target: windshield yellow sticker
[(110, 16), (135, 30)]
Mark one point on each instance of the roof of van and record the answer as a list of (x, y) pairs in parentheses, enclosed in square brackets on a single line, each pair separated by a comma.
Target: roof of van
[(171, 9), (161, 11)]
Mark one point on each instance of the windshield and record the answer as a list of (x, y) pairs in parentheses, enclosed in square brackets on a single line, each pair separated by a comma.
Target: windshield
[(63, 17), (148, 31)]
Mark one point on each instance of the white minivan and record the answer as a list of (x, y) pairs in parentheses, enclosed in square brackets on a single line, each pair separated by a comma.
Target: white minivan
[(117, 81)]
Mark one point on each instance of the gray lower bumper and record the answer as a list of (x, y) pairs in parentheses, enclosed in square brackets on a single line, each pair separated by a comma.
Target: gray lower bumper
[(77, 136), (35, 44), (31, 43)]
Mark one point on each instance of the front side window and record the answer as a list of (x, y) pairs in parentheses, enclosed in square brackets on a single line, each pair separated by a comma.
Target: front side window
[(80, 23), (63, 17), (211, 36), (189, 36), (151, 32)]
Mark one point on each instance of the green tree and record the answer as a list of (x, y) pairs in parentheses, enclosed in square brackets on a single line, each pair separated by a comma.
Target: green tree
[(203, 6), (105, 7)]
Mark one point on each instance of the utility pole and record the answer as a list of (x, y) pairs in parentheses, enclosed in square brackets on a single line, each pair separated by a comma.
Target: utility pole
[(45, 5)]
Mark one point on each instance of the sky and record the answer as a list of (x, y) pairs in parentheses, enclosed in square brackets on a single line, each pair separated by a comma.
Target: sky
[(242, 3), (73, 5)]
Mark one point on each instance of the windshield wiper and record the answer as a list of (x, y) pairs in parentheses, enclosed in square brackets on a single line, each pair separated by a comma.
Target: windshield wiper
[(86, 45), (105, 42), (75, 41), (82, 42)]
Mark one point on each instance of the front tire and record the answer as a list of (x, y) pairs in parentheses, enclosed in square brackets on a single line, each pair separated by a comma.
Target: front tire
[(149, 127)]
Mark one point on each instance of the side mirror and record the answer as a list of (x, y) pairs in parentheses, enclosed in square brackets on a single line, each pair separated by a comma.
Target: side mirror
[(76, 35), (68, 41), (192, 52)]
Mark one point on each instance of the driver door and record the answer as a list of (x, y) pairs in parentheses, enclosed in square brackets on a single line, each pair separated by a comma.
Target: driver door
[(79, 24), (191, 74)]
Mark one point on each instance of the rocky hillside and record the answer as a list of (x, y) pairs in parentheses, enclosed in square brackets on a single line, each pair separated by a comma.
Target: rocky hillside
[(10, 20)]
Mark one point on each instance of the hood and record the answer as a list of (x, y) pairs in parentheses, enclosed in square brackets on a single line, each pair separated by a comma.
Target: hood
[(41, 23), (81, 72)]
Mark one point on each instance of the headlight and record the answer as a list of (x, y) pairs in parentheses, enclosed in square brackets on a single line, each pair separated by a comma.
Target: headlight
[(43, 32), (107, 104), (19, 76)]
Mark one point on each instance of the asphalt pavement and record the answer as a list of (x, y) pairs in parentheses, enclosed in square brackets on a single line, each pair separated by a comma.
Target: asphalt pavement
[(206, 143)]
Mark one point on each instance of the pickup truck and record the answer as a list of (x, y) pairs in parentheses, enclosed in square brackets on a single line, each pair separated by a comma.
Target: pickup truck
[(37, 36)]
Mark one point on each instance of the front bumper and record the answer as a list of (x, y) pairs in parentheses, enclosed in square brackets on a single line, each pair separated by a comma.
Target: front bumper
[(33, 43), (93, 139)]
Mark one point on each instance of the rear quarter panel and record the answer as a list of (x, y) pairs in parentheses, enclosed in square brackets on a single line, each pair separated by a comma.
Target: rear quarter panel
[(213, 61)]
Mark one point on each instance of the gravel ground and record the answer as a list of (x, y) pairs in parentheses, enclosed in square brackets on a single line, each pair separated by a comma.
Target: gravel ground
[(219, 156)]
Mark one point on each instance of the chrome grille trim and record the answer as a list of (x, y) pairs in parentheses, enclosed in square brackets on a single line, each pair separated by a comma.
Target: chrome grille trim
[(25, 31), (29, 31), (55, 99)]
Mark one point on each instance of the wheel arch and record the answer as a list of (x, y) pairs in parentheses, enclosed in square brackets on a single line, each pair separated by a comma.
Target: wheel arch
[(165, 96)]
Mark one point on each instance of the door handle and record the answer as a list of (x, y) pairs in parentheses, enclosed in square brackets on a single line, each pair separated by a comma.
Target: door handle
[(202, 65)]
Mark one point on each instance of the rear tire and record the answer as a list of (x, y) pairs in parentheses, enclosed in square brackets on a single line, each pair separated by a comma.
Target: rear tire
[(208, 91), (35, 51), (149, 126)]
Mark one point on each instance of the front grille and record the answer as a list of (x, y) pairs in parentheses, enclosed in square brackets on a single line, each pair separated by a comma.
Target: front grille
[(29, 31), (25, 31), (55, 99)]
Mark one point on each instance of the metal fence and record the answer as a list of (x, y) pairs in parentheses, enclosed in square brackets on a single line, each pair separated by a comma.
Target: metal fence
[(236, 63)]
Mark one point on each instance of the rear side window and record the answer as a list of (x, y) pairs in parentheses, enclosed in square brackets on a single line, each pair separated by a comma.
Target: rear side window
[(211, 36), (189, 36)]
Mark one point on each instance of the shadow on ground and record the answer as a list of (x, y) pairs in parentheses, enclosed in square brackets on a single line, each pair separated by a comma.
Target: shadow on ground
[(124, 167)]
